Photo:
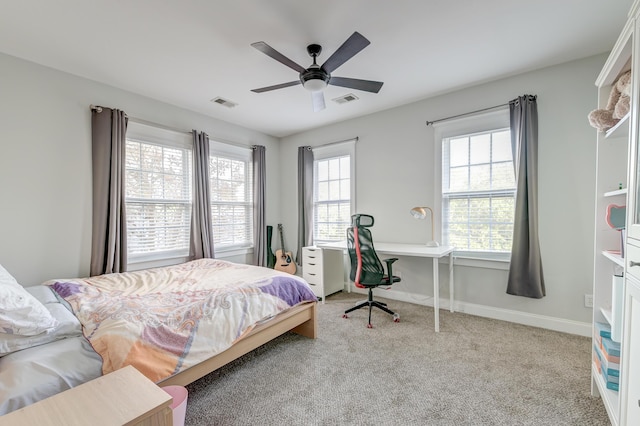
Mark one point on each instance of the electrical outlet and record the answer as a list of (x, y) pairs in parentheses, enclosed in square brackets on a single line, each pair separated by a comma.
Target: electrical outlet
[(588, 300)]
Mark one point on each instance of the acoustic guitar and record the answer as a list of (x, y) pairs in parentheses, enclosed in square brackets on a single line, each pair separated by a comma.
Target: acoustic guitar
[(284, 260)]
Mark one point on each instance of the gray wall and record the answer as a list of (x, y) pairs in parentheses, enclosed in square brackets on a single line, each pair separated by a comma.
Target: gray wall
[(394, 172), (45, 164), (45, 179)]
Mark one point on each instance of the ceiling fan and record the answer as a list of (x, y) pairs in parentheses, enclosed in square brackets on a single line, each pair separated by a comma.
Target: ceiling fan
[(317, 77)]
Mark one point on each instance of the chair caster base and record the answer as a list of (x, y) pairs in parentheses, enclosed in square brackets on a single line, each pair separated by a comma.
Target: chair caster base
[(345, 316), (369, 325)]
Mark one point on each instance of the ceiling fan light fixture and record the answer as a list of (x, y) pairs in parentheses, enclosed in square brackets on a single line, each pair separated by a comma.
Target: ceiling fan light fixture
[(314, 78), (315, 85)]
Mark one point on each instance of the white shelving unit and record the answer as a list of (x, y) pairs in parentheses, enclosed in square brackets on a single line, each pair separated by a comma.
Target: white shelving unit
[(618, 182), (612, 183), (614, 257), (622, 191)]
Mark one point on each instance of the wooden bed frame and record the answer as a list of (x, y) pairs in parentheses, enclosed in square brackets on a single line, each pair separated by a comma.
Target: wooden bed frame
[(300, 319)]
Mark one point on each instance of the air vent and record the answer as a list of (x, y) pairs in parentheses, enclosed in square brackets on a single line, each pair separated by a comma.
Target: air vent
[(224, 102), (346, 98)]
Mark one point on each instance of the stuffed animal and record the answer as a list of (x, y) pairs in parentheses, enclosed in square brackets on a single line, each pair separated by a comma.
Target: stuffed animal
[(617, 107), (624, 103)]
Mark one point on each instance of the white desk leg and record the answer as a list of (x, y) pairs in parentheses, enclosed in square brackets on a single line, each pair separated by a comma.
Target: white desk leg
[(436, 293), (451, 282)]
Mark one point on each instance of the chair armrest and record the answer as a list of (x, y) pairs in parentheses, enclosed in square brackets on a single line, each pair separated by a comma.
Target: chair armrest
[(389, 263)]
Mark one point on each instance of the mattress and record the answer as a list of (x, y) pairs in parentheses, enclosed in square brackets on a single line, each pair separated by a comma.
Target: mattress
[(38, 372), (166, 320)]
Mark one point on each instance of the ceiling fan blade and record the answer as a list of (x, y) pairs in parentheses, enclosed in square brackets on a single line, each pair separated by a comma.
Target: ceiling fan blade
[(349, 49), (318, 101), (277, 86), (270, 51), (354, 83)]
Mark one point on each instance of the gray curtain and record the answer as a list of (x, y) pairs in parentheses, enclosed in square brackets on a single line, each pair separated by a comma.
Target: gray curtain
[(259, 194), (201, 244), (525, 272), (109, 230), (305, 199)]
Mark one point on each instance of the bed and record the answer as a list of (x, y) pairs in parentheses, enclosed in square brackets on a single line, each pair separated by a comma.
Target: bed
[(174, 324)]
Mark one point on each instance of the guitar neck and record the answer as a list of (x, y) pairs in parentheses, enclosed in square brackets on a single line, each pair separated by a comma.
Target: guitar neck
[(281, 238)]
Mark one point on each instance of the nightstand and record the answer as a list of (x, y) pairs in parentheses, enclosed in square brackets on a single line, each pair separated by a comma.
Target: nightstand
[(124, 397), (323, 269)]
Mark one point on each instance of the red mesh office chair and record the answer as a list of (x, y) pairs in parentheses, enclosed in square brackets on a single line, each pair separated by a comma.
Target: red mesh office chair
[(366, 269)]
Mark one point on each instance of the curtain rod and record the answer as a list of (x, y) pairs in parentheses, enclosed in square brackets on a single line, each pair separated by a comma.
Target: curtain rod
[(98, 108), (356, 139), (478, 110), (429, 123)]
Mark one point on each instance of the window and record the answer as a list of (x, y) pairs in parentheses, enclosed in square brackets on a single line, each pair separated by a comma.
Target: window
[(158, 199), (157, 193), (333, 191), (478, 191), (478, 186), (231, 185)]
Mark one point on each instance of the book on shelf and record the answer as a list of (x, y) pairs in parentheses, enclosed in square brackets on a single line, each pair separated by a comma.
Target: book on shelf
[(613, 386), (603, 330), (611, 369), (611, 382), (611, 348)]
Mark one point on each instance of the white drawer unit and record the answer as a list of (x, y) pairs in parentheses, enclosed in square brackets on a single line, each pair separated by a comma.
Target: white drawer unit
[(323, 269)]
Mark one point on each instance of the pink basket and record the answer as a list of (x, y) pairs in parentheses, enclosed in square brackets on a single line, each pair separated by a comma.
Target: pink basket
[(179, 405)]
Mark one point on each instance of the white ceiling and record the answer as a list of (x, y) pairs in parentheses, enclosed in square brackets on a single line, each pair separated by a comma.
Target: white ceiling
[(191, 51)]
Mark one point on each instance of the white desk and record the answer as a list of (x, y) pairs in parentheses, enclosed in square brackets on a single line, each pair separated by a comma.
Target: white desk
[(416, 250)]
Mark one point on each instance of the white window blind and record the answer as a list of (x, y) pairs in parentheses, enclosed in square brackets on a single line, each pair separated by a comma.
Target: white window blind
[(478, 191), (231, 185), (158, 199)]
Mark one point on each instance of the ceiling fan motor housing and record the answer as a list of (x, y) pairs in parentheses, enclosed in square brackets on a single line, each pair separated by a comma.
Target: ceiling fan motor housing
[(314, 78)]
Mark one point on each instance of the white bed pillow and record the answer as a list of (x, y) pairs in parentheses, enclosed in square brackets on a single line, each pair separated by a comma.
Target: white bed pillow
[(67, 326), (20, 312)]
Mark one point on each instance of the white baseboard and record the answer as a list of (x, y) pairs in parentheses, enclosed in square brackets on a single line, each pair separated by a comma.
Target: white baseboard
[(518, 317)]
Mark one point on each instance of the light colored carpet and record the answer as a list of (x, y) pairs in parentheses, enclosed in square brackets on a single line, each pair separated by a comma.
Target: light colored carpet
[(476, 371)]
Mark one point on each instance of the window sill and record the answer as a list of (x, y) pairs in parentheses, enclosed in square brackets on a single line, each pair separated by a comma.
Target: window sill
[(231, 252), (158, 260), (149, 262), (479, 261)]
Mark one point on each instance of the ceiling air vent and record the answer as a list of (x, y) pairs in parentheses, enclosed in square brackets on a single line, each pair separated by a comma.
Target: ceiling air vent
[(346, 98), (223, 102)]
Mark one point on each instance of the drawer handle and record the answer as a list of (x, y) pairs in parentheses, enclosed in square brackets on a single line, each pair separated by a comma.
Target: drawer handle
[(312, 264), (312, 274), (312, 257), (632, 263)]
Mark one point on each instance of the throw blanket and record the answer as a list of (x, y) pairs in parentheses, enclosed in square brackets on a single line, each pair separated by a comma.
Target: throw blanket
[(165, 320)]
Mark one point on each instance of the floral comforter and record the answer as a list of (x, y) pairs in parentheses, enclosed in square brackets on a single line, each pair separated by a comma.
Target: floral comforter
[(165, 320)]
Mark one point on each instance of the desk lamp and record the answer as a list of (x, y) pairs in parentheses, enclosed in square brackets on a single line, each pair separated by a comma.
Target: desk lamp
[(421, 213)]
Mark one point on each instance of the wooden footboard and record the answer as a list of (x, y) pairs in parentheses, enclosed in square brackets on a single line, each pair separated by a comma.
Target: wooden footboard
[(301, 319)]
